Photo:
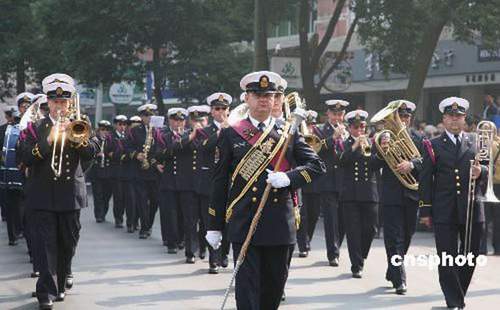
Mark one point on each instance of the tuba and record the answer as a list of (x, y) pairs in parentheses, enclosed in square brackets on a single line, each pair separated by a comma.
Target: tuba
[(401, 147)]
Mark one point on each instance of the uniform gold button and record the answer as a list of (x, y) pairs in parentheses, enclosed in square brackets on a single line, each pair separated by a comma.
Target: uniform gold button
[(356, 168), (456, 170), (67, 163), (194, 152), (458, 177), (254, 189), (194, 156), (355, 173), (175, 157), (366, 163), (355, 179), (67, 178), (254, 199), (194, 162), (67, 170), (366, 179), (175, 162), (175, 167), (275, 190), (366, 174), (194, 168), (67, 156), (55, 179), (275, 200), (356, 163), (458, 184), (335, 166), (458, 192), (175, 173)]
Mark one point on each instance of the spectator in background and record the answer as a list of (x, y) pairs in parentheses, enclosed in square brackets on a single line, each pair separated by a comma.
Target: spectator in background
[(430, 131), (421, 128), (490, 109), (440, 129)]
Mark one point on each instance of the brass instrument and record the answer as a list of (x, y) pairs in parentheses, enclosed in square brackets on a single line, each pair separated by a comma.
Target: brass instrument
[(311, 139), (400, 145), (77, 131), (293, 99), (486, 135), (364, 145), (147, 147), (103, 158)]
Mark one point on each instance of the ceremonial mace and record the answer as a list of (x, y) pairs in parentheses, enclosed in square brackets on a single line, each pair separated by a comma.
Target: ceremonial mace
[(265, 196)]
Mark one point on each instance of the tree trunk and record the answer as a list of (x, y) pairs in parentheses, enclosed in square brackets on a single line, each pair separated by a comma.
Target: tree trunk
[(20, 75), (261, 62), (424, 57), (158, 79)]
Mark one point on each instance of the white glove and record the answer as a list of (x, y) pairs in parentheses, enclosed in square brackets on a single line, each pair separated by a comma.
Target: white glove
[(277, 179), (214, 238)]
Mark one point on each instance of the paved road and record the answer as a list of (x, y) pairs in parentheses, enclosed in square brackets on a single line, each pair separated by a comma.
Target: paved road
[(116, 270)]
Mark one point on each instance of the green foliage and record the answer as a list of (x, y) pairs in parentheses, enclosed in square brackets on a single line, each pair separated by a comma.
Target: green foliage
[(395, 29)]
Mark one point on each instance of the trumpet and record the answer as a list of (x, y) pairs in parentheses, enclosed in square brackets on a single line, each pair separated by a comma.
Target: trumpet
[(365, 146)]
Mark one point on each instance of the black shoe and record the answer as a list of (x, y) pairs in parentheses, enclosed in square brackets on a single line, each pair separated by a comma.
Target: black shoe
[(148, 232), (190, 260), (202, 254), (303, 254), (401, 289), (45, 305), (181, 245), (357, 274), (283, 297), (130, 229), (334, 262), (99, 220), (172, 251), (69, 282), (33, 294), (60, 297), (35, 274), (213, 270), (224, 262), (143, 235), (13, 242)]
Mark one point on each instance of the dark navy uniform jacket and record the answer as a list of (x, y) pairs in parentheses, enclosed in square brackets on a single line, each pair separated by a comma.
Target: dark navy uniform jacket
[(46, 191), (206, 143), (360, 180), (135, 145), (330, 154), (444, 180), (277, 225)]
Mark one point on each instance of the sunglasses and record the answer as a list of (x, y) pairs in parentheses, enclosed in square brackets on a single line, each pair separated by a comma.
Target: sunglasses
[(220, 108)]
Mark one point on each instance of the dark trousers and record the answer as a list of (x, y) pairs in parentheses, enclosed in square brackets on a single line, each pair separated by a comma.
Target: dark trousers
[(14, 212), (56, 238), (333, 222), (102, 190), (309, 214), (455, 280), (2, 204), (147, 202), (129, 201), (213, 255), (175, 203), (118, 200), (262, 276), (400, 222), (360, 219), (30, 235)]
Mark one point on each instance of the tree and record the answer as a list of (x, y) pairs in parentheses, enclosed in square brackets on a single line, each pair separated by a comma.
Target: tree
[(217, 69), (17, 34), (405, 33), (312, 50)]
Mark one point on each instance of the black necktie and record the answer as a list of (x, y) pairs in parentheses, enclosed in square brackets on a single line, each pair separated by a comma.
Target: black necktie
[(261, 126), (458, 143)]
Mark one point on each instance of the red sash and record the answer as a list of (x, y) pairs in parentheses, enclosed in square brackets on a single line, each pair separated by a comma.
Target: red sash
[(251, 135)]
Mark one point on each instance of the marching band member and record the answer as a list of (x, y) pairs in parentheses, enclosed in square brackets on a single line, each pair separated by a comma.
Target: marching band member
[(332, 133), (57, 198), (206, 142), (141, 147), (399, 203), (246, 150), (443, 189), (100, 174), (359, 191)]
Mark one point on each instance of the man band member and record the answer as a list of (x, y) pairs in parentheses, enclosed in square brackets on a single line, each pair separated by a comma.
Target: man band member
[(333, 133), (399, 203), (100, 174), (56, 198), (206, 142), (311, 199), (359, 191), (177, 202), (141, 148), (114, 151), (247, 149), (444, 184)]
